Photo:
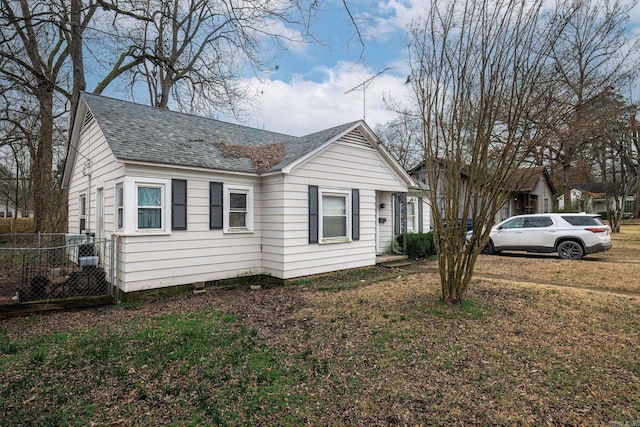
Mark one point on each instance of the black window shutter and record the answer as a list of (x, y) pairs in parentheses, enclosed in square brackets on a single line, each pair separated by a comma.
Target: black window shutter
[(178, 204), (215, 206), (313, 214), (420, 213), (355, 214)]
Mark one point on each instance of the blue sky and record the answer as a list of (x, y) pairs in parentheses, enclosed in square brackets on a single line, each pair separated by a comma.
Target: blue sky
[(307, 92)]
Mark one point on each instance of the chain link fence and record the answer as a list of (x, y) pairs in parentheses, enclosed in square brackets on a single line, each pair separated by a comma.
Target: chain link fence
[(45, 267)]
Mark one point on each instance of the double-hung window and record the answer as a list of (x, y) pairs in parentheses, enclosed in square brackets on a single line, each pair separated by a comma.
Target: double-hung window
[(334, 215), (412, 215), (238, 208), (83, 213), (149, 207), (143, 206), (119, 207)]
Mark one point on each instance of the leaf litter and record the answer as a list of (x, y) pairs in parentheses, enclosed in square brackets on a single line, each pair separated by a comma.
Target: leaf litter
[(378, 350)]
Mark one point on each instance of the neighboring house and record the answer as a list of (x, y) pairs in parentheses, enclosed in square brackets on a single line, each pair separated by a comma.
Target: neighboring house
[(191, 199), (8, 209), (419, 174), (531, 191), (591, 197)]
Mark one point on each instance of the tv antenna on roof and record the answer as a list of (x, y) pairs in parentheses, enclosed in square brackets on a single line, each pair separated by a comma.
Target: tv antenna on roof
[(363, 87)]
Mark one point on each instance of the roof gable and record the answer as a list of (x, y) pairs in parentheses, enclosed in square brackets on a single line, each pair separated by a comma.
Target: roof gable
[(524, 180)]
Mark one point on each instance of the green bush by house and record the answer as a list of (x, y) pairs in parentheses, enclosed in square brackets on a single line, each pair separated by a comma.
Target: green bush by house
[(419, 245)]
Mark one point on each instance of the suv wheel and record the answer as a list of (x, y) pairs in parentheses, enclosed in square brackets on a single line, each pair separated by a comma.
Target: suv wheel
[(570, 249), (488, 249)]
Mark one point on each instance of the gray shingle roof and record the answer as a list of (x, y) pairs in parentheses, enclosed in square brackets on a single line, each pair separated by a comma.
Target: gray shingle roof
[(138, 132)]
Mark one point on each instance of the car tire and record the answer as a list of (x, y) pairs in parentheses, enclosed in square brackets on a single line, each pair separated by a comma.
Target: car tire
[(570, 249), (488, 249)]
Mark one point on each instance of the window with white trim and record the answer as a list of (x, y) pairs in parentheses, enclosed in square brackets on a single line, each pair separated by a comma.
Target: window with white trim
[(142, 206), (335, 211), (149, 202), (412, 215), (82, 212), (119, 206), (238, 209)]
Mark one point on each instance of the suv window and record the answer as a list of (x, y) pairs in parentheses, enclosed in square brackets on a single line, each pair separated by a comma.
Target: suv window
[(537, 222), (582, 220), (514, 223)]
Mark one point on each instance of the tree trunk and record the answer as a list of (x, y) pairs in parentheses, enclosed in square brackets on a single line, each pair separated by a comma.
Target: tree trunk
[(75, 49), (43, 162), (566, 187)]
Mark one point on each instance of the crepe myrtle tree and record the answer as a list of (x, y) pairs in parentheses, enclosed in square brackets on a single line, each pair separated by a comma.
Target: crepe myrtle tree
[(476, 73)]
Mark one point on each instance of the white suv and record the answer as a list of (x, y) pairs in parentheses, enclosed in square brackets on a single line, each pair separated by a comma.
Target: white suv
[(572, 235)]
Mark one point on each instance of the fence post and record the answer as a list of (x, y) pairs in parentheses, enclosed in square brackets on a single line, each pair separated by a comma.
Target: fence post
[(112, 269)]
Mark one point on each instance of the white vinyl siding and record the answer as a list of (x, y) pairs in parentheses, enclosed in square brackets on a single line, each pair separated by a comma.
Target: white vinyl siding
[(274, 239), (343, 166), (197, 254), (103, 168)]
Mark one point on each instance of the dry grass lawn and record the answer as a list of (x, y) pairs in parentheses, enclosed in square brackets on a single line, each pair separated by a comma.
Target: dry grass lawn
[(540, 341), (617, 269)]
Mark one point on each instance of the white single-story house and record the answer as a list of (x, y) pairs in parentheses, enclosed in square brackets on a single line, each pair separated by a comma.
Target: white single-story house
[(595, 197), (192, 199)]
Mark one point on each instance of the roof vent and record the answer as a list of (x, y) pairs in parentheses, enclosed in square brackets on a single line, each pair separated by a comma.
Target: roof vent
[(357, 139), (87, 119)]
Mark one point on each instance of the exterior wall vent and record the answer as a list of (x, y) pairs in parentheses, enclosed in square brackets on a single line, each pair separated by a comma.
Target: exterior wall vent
[(355, 138), (87, 119)]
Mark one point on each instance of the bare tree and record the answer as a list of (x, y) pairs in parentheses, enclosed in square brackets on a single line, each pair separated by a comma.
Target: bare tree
[(594, 54), (189, 50), (615, 149), (193, 52), (477, 69), (403, 138), (34, 57)]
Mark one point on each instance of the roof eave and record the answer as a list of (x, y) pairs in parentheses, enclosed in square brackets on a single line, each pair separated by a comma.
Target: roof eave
[(74, 139)]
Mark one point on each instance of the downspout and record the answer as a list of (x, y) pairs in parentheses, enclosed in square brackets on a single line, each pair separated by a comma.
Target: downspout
[(87, 173)]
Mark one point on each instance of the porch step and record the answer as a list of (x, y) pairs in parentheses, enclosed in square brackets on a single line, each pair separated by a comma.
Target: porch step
[(396, 264), (393, 261)]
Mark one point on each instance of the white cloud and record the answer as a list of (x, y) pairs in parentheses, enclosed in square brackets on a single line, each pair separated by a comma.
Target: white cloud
[(395, 15), (302, 106)]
